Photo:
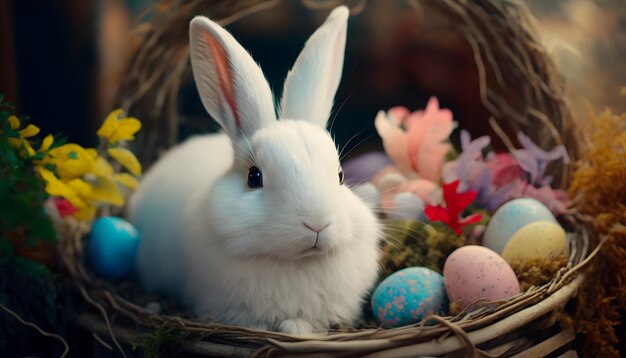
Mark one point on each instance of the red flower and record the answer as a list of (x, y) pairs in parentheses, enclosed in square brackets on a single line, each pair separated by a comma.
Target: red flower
[(456, 203), (64, 207)]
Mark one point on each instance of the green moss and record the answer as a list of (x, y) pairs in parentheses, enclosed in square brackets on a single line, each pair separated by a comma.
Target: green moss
[(413, 243), (167, 341)]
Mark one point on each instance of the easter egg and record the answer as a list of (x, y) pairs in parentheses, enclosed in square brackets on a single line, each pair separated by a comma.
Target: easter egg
[(511, 217), (368, 193), (406, 206), (473, 273), (539, 239), (407, 296), (112, 247)]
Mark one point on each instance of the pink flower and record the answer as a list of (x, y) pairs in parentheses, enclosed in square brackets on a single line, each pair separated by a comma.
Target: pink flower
[(416, 142), (504, 168), (554, 199)]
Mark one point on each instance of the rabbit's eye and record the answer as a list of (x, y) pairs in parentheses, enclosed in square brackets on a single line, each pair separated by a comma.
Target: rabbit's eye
[(255, 178), (340, 175)]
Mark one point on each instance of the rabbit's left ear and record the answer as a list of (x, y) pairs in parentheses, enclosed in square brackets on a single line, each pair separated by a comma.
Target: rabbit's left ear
[(311, 84)]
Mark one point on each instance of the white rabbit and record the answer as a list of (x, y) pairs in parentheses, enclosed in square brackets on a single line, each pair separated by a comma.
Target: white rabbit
[(254, 227)]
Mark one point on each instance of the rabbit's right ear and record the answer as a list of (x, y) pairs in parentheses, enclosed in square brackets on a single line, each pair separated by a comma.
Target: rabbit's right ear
[(231, 85), (312, 82)]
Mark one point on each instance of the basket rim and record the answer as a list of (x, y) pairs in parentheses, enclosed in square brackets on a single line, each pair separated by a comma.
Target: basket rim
[(525, 307), (450, 344)]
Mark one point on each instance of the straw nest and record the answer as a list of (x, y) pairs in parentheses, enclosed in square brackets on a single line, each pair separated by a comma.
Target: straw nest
[(520, 87)]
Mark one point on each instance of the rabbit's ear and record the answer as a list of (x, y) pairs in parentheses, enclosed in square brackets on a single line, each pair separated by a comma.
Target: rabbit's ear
[(311, 84), (231, 85)]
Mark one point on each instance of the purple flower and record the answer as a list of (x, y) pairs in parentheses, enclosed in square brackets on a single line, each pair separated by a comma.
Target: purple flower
[(502, 177), (469, 169), (534, 160)]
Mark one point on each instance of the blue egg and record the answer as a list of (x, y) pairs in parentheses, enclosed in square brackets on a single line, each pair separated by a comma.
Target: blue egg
[(112, 247), (511, 217), (408, 296)]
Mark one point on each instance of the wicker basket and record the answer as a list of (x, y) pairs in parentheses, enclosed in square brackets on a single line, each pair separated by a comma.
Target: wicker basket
[(521, 89)]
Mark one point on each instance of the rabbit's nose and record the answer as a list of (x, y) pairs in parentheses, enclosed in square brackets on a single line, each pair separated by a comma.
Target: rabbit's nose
[(317, 228)]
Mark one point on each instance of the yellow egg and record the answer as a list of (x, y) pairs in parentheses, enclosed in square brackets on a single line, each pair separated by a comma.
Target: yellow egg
[(537, 240)]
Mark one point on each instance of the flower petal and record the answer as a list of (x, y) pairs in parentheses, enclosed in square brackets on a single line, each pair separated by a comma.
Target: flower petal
[(394, 141), (437, 213), (47, 142), (101, 167), (14, 122), (56, 187), (29, 131), (528, 162), (472, 219), (397, 114), (463, 200), (93, 152), (126, 130), (127, 159), (87, 213), (127, 180), (449, 191), (432, 105), (104, 190), (110, 124), (431, 158), (81, 187)]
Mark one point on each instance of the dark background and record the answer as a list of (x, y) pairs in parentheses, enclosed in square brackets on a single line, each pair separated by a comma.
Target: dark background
[(66, 58)]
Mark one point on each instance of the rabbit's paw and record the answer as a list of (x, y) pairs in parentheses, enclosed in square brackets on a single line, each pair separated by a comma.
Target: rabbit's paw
[(296, 327)]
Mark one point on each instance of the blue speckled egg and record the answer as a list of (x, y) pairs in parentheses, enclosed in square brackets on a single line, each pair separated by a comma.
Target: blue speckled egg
[(112, 247), (409, 295)]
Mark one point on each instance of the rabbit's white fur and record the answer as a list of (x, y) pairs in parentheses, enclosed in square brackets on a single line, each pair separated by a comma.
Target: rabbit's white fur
[(243, 255)]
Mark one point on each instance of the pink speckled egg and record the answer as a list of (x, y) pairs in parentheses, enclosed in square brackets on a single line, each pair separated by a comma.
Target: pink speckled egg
[(475, 272)]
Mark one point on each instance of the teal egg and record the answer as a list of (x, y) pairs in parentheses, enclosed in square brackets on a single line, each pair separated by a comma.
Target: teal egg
[(408, 296), (112, 247)]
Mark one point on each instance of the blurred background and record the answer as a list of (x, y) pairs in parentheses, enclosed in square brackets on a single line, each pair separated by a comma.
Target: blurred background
[(63, 60)]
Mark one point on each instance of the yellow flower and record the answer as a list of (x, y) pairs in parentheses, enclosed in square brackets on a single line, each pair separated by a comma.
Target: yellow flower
[(104, 190), (71, 161), (84, 176), (127, 180), (127, 159), (86, 214), (47, 142), (115, 129), (56, 187), (27, 132), (101, 167)]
